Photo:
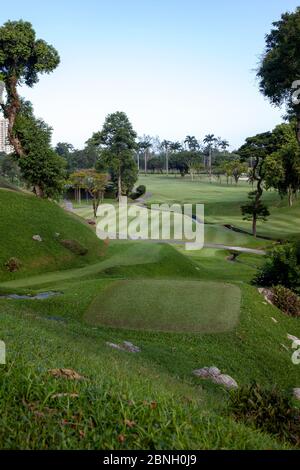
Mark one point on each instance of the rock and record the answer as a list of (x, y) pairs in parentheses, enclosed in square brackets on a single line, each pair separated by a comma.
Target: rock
[(207, 372), (214, 374), (225, 380), (70, 374), (37, 238), (268, 295), (114, 346), (126, 346), (214, 371), (202, 372), (57, 235), (131, 347), (296, 393), (292, 338)]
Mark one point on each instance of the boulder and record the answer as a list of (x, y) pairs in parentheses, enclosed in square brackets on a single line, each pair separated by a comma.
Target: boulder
[(207, 372), (37, 238), (131, 347), (296, 393), (225, 380)]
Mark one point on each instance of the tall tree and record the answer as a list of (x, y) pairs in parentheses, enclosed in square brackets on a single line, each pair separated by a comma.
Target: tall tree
[(165, 145), (191, 143), (210, 140), (42, 168), (259, 147), (282, 167), (280, 64), (117, 143), (145, 145), (22, 59)]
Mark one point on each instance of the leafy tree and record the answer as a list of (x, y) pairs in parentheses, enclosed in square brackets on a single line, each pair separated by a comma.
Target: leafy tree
[(156, 164), (117, 144), (22, 59), (282, 167), (282, 267), (255, 210), (42, 168), (95, 184), (9, 168), (257, 147), (280, 64)]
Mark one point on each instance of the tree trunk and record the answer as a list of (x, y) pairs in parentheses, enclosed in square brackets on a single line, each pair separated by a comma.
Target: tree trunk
[(298, 127), (210, 159), (254, 225), (167, 162), (119, 184), (10, 111), (38, 191), (290, 196), (145, 157)]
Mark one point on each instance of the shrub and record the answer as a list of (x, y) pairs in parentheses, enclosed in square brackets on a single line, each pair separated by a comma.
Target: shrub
[(13, 265), (74, 246), (282, 267), (268, 410), (140, 190), (286, 300)]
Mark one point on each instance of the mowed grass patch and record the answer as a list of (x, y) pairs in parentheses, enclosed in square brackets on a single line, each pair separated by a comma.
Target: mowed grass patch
[(184, 306)]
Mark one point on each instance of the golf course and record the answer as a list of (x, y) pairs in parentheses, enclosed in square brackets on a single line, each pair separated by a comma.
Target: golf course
[(184, 309), (149, 233)]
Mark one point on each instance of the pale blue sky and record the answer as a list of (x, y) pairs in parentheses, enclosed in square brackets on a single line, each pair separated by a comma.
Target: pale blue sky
[(176, 67)]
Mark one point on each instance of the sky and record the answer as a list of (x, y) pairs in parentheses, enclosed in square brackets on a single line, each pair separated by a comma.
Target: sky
[(176, 67)]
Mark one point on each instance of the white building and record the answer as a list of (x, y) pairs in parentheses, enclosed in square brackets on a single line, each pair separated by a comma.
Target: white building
[(4, 145)]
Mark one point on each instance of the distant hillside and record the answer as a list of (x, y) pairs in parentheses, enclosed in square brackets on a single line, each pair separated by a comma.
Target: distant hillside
[(23, 216)]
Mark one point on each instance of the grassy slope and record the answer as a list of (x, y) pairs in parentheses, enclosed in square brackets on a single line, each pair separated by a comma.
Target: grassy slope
[(21, 217)]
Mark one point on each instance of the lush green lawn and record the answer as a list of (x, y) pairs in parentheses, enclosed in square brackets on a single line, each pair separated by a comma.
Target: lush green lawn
[(184, 306), (185, 310), (222, 203)]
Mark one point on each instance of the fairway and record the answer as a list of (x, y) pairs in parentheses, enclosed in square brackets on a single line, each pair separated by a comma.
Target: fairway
[(184, 306)]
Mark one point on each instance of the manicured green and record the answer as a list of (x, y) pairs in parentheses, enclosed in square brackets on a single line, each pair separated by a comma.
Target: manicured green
[(183, 306)]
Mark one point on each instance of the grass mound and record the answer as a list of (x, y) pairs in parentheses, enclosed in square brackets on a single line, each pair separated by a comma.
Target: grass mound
[(21, 217), (184, 306)]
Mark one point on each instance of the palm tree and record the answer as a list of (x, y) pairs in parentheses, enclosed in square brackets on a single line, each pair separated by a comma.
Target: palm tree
[(192, 143), (145, 144), (165, 145), (209, 140)]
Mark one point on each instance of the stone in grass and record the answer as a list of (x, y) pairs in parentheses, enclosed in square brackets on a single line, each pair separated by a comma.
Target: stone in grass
[(125, 346), (215, 375), (296, 393), (131, 347), (37, 238), (225, 380), (207, 372)]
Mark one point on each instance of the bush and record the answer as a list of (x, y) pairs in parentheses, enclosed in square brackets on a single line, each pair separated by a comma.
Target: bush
[(286, 300), (13, 265), (268, 410), (140, 190), (282, 267), (74, 246)]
